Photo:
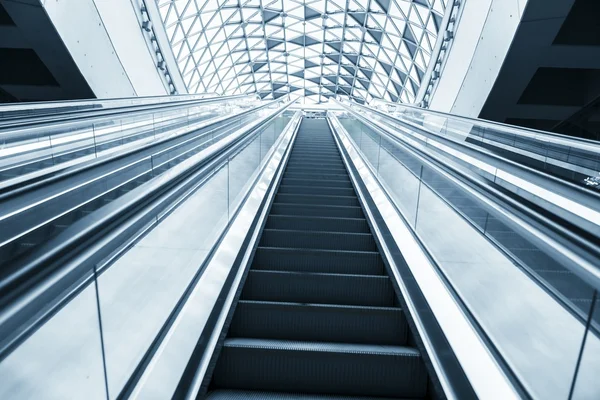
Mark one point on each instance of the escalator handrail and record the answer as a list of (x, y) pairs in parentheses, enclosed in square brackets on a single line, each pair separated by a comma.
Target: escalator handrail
[(577, 196), (530, 133), (476, 148), (69, 251), (443, 322), (39, 105), (463, 144), (506, 206), (52, 111), (584, 267), (222, 253), (14, 132), (7, 192)]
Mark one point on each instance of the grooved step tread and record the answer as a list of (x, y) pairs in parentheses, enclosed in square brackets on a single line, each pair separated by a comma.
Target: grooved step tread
[(327, 224), (322, 347), (318, 260), (317, 199), (318, 287), (318, 240), (322, 368), (319, 323), (256, 395), (317, 317), (318, 178), (288, 188), (316, 210)]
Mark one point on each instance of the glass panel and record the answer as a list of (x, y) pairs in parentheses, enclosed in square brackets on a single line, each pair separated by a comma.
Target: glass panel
[(139, 291), (30, 149), (242, 169), (572, 159), (27, 228), (62, 359), (586, 381), (13, 112), (523, 295)]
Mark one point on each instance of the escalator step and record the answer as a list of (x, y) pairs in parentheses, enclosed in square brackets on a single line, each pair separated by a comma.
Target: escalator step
[(316, 157), (319, 323), (313, 159), (308, 169), (567, 283), (313, 189), (318, 316), (312, 152), (311, 260), (317, 199), (323, 368), (317, 163), (318, 240), (255, 395), (350, 225), (331, 180), (315, 210), (324, 288)]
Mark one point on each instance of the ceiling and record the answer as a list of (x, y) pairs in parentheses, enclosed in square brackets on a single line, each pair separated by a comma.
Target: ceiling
[(362, 49)]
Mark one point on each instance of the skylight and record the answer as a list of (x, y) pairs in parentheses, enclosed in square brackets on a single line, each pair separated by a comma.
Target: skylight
[(361, 49)]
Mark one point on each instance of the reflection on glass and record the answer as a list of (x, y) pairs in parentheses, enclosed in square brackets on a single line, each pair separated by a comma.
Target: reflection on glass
[(139, 291), (62, 359), (570, 159), (586, 384), (30, 149), (530, 306)]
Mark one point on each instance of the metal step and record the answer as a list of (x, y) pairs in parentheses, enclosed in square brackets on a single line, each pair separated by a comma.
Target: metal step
[(256, 395), (320, 368), (317, 199), (340, 180), (326, 224), (312, 260), (316, 210), (316, 163), (316, 158), (315, 154), (303, 167), (314, 189), (319, 323), (323, 288), (318, 316), (318, 240)]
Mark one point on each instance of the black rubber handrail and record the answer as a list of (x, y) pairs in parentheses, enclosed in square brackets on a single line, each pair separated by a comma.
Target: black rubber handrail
[(46, 279)]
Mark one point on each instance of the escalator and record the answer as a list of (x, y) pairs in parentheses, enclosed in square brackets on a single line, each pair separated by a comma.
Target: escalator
[(318, 316)]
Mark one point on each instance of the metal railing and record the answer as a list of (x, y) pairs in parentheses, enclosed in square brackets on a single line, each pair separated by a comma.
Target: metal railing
[(529, 285), (13, 113), (56, 281), (545, 150), (63, 143), (563, 198), (33, 213)]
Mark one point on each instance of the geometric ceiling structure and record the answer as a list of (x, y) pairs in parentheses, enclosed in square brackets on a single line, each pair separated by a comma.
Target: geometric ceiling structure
[(361, 49)]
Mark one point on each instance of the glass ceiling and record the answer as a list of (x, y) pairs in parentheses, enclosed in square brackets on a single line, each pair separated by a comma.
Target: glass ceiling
[(362, 49)]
